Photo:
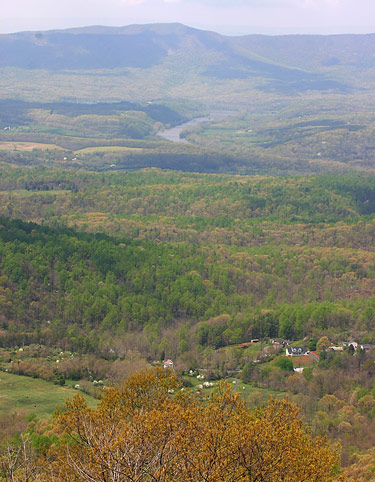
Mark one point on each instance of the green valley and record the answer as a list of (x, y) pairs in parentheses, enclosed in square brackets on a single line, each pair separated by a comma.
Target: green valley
[(178, 279)]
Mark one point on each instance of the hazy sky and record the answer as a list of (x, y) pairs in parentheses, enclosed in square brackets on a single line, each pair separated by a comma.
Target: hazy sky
[(226, 16)]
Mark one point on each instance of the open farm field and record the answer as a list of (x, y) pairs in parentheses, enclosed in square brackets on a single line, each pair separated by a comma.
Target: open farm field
[(33, 396), (256, 396), (26, 146), (252, 394), (93, 150)]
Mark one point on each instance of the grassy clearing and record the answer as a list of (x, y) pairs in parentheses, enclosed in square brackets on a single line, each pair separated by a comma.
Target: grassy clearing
[(33, 396), (92, 150), (27, 193), (27, 146), (253, 395)]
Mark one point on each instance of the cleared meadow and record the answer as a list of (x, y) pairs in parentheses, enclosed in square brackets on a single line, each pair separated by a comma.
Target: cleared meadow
[(27, 146), (33, 396)]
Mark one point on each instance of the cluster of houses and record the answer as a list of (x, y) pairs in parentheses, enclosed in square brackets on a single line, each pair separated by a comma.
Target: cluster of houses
[(295, 350), (301, 351), (355, 345)]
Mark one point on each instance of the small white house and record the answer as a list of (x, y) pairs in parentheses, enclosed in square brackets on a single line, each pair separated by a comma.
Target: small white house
[(336, 348), (168, 364), (354, 344)]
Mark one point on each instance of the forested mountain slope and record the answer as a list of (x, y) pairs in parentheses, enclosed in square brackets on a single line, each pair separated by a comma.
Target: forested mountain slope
[(279, 57), (187, 247), (286, 64)]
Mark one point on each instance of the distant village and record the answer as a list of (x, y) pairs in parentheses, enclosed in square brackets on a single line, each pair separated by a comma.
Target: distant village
[(277, 346), (300, 351)]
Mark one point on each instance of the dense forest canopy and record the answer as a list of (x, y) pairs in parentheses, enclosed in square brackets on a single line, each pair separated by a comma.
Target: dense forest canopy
[(186, 247)]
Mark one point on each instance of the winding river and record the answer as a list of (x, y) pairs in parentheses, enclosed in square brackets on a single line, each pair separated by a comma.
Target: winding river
[(173, 134)]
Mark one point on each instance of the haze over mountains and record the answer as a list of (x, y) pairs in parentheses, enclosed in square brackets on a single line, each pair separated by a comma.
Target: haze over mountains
[(290, 63), (303, 103)]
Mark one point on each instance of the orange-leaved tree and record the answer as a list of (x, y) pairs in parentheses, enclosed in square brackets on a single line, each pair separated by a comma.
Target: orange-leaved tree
[(151, 430)]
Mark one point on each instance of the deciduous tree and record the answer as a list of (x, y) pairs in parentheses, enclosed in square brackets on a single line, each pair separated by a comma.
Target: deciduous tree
[(151, 430)]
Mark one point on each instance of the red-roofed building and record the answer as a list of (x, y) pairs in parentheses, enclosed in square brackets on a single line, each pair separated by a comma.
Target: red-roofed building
[(168, 364)]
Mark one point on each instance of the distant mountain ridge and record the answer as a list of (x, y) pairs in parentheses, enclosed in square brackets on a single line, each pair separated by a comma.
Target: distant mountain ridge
[(291, 62), (101, 47)]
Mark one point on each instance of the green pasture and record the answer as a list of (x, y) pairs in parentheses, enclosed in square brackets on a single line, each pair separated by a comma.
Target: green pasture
[(29, 193), (33, 396), (27, 146), (252, 394), (92, 150)]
